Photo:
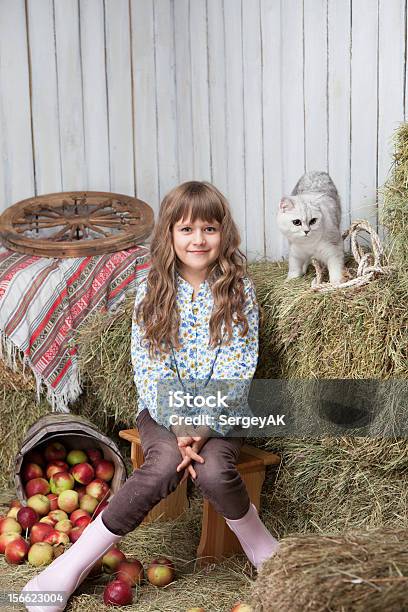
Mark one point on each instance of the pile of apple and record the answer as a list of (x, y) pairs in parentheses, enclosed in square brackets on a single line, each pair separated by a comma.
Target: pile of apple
[(65, 490), (129, 573)]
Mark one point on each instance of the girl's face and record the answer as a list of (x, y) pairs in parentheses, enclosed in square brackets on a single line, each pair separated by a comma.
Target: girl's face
[(197, 245)]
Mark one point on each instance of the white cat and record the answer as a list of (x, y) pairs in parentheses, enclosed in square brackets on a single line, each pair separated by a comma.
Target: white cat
[(310, 220)]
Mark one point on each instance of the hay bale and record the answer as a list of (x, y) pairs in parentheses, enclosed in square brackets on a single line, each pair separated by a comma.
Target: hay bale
[(357, 571), (352, 333), (394, 213), (105, 363), (336, 484)]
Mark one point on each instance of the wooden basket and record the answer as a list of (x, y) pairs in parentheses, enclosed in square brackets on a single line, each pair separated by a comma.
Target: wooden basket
[(77, 432)]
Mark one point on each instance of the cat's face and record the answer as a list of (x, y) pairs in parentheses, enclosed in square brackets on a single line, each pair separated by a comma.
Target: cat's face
[(300, 216)]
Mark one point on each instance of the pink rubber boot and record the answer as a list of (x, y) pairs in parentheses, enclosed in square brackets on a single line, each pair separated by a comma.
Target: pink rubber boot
[(68, 570), (255, 539)]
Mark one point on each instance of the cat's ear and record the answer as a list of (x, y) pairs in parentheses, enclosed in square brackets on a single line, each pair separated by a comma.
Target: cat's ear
[(286, 204)]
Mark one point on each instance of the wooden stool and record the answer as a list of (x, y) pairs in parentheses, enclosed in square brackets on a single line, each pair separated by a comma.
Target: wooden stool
[(217, 539)]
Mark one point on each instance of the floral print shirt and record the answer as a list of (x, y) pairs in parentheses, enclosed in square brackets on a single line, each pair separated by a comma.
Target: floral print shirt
[(195, 360)]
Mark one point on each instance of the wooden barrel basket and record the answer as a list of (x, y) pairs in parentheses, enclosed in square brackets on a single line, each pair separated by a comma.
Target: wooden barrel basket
[(75, 432)]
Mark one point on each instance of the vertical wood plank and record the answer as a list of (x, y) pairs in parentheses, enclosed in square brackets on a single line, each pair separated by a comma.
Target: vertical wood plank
[(199, 91), (69, 78), (391, 70), (276, 244), (252, 69), (235, 114), (217, 93), (145, 107), (15, 119), (119, 77), (166, 96), (292, 94), (183, 90), (96, 135), (44, 96), (315, 78), (364, 103), (339, 145)]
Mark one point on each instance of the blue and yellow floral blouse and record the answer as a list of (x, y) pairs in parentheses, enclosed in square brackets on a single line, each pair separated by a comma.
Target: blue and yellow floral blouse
[(195, 360)]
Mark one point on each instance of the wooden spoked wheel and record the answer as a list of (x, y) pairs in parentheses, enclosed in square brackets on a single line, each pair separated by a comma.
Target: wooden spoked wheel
[(75, 224)]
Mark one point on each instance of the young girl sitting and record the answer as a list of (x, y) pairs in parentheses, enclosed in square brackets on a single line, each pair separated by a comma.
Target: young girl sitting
[(195, 319)]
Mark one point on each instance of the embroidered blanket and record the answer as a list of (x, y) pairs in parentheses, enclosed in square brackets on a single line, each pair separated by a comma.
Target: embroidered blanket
[(44, 301)]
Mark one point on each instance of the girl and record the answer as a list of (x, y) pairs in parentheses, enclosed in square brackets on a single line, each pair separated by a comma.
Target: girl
[(195, 318)]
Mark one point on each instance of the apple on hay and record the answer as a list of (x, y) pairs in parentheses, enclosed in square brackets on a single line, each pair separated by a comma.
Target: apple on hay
[(16, 551), (118, 593), (40, 553), (160, 572)]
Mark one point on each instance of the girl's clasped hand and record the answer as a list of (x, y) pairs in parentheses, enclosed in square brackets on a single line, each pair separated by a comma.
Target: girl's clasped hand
[(189, 447)]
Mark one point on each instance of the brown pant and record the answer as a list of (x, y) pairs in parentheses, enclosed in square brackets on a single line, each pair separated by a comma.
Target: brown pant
[(218, 478)]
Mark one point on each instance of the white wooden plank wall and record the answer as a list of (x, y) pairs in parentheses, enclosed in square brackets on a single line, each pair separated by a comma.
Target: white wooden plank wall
[(136, 96)]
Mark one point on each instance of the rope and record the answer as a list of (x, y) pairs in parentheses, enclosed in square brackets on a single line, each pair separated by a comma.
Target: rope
[(369, 264)]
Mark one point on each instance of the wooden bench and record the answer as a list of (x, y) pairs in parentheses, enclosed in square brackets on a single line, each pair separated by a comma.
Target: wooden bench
[(217, 540)]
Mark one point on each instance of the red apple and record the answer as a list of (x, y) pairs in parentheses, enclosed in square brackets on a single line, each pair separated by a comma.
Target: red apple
[(83, 473), (39, 531), (68, 501), (27, 517), (40, 553), (101, 506), (94, 455), (117, 593), (61, 538), (76, 456), (88, 503), (242, 607), (57, 515), (6, 538), (10, 525), (111, 560), (32, 470), (55, 451), (76, 533), (65, 526), (105, 470), (83, 521), (54, 537), (62, 481), (16, 551), (34, 456), (76, 514), (98, 488), (37, 485), (55, 467), (39, 503), (131, 571), (160, 572), (53, 497)]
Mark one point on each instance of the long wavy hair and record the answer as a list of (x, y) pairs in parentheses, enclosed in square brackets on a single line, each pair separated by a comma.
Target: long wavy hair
[(158, 312)]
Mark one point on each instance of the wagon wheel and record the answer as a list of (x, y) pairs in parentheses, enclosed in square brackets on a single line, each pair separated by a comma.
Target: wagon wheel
[(75, 224)]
